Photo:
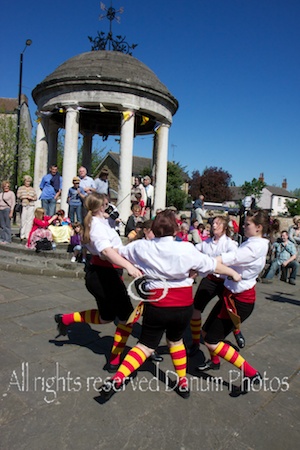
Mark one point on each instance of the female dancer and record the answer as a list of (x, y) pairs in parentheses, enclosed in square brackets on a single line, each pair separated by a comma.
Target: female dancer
[(213, 284), (164, 258), (103, 280), (238, 298)]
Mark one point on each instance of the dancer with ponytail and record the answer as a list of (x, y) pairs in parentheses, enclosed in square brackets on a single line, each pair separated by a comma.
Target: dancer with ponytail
[(167, 264), (103, 279), (238, 298), (213, 284)]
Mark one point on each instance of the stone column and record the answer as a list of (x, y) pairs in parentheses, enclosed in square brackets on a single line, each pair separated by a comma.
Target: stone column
[(52, 143), (161, 165), (41, 155), (70, 154), (125, 171), (87, 151)]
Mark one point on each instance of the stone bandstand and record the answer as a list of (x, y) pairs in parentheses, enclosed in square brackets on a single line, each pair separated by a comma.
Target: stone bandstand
[(103, 93)]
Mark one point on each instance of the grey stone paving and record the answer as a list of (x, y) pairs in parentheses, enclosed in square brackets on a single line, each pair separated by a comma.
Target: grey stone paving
[(48, 385)]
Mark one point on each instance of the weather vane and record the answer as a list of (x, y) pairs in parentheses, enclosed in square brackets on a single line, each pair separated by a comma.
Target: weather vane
[(109, 42)]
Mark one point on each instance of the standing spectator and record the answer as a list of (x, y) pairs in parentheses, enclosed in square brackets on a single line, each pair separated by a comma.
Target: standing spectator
[(75, 195), (138, 187), (87, 184), (112, 215), (294, 234), (51, 186), (149, 189), (102, 183), (7, 204), (139, 201), (27, 195), (199, 208)]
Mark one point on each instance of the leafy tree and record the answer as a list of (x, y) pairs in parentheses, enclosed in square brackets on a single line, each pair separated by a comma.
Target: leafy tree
[(175, 180), (293, 207), (8, 143), (255, 188), (97, 155), (296, 193), (213, 184)]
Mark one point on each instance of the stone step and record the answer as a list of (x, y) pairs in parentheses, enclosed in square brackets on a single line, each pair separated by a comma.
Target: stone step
[(17, 258)]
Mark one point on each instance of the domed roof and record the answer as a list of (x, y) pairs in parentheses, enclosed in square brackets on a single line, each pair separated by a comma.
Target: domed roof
[(90, 77)]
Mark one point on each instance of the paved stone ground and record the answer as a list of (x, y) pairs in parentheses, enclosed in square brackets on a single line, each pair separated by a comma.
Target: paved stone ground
[(48, 384)]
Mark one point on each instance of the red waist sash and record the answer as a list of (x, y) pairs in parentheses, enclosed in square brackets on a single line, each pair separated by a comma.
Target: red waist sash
[(182, 296), (96, 261)]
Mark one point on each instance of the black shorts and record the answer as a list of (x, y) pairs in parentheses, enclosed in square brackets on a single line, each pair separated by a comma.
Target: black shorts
[(206, 291), (157, 320), (109, 291), (216, 328)]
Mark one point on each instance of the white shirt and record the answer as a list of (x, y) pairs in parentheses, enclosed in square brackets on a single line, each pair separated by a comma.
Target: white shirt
[(249, 260), (149, 189), (102, 236), (214, 248), (172, 260), (87, 182), (101, 186)]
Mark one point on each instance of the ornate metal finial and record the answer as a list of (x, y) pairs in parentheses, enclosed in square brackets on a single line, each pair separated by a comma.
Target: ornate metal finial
[(102, 41)]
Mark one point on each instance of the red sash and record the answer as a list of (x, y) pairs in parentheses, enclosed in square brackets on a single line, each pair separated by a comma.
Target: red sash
[(182, 296), (96, 261)]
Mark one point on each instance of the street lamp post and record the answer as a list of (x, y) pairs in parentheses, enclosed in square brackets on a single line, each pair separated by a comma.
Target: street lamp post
[(28, 42)]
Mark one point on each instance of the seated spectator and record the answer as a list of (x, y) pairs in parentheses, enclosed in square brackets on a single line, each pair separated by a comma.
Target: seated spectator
[(285, 255), (39, 229), (137, 233), (194, 232), (147, 230), (206, 233), (132, 220), (60, 228), (76, 246), (183, 234)]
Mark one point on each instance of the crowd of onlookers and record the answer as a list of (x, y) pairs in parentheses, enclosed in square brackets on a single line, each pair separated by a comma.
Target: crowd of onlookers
[(56, 226)]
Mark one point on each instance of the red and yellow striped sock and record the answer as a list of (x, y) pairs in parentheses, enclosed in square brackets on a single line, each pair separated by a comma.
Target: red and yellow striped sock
[(88, 316), (122, 334), (133, 360), (214, 358), (195, 325), (229, 354), (178, 355)]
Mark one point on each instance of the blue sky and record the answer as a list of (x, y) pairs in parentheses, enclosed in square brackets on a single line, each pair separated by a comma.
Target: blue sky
[(233, 65)]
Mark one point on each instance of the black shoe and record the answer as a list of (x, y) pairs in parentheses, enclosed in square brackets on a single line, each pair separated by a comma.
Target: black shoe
[(111, 368), (193, 350), (156, 357), (108, 389), (292, 281), (248, 382), (61, 328), (240, 340), (208, 365), (183, 391)]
